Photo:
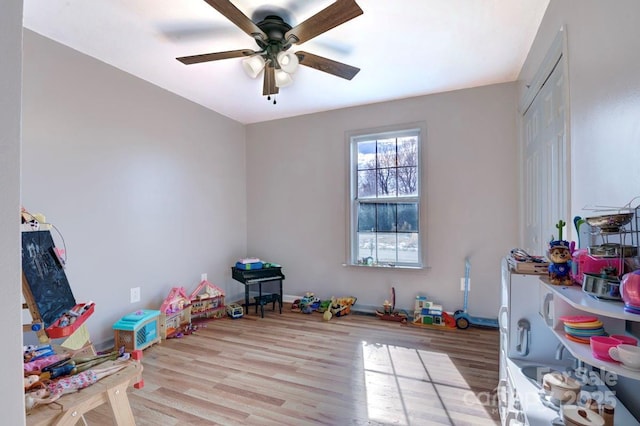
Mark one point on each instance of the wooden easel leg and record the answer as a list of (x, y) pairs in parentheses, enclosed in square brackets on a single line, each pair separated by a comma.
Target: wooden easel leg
[(120, 405)]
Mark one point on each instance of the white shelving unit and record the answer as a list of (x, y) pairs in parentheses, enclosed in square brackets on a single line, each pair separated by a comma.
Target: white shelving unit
[(586, 303), (571, 300), (523, 402)]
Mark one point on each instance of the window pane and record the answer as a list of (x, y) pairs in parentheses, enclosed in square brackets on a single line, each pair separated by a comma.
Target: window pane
[(366, 217), (387, 182), (366, 183), (366, 246), (407, 181), (407, 248), (386, 217), (408, 151), (386, 153), (387, 248), (408, 217), (366, 155)]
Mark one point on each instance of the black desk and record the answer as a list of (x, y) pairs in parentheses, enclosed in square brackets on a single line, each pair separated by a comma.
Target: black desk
[(258, 277)]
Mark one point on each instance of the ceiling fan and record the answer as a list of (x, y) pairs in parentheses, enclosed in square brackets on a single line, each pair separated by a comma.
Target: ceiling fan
[(275, 36)]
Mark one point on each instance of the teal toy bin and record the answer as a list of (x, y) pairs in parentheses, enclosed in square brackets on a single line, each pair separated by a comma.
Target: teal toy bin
[(137, 330)]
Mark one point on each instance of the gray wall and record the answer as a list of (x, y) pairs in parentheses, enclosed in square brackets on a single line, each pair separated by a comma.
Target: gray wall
[(148, 189), (298, 198), (10, 106)]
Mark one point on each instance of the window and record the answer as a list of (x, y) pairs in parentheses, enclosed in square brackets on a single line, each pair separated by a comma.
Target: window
[(385, 198)]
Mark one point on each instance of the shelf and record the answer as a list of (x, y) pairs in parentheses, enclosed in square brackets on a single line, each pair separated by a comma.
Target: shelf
[(577, 298), (582, 351)]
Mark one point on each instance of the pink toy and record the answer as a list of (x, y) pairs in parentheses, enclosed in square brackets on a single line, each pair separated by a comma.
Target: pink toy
[(41, 363), (625, 340), (176, 301), (600, 346)]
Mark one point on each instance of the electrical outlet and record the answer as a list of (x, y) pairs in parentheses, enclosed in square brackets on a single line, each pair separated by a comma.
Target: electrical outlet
[(135, 294), (462, 282), (203, 276)]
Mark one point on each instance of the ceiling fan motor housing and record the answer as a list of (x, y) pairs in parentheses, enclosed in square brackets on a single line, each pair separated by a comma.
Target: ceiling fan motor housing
[(275, 28)]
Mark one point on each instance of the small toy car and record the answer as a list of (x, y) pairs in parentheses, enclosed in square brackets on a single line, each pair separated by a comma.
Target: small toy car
[(234, 310)]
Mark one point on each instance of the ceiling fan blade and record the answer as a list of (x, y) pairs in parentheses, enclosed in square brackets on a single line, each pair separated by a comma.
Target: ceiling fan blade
[(269, 86), (338, 13), (206, 57), (327, 65), (232, 13)]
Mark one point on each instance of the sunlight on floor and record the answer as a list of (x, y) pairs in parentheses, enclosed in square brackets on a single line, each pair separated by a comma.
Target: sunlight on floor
[(407, 386)]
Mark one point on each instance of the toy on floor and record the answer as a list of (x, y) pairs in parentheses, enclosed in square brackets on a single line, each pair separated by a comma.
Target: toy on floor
[(327, 315), (309, 303), (341, 306), (175, 312), (324, 306), (389, 312), (207, 301), (429, 313), (183, 330), (137, 330), (235, 311), (462, 318), (338, 307)]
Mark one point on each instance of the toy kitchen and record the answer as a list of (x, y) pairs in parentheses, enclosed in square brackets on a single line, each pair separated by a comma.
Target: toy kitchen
[(569, 352)]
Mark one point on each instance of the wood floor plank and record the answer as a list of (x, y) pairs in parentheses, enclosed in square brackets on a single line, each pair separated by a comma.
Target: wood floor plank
[(296, 369)]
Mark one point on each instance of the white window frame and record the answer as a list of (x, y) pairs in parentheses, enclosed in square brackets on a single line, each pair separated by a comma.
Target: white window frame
[(352, 138)]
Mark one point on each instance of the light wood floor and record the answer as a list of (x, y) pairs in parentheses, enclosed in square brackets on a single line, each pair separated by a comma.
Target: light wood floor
[(296, 369)]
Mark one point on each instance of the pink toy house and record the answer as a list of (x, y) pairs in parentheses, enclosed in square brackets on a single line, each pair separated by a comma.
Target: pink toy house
[(175, 312), (207, 301)]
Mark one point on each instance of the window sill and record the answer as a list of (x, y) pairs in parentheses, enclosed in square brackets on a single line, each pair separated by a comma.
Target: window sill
[(385, 266)]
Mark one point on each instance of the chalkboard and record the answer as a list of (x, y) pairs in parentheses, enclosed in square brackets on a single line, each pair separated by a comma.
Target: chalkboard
[(45, 275)]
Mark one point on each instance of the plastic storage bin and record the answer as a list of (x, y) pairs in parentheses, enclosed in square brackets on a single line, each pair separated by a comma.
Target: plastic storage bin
[(138, 330)]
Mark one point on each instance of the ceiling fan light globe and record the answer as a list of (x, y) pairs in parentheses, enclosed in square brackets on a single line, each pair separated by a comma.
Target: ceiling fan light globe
[(288, 62), (253, 65), (282, 78)]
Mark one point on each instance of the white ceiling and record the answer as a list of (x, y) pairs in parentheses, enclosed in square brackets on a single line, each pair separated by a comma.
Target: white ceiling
[(404, 48)]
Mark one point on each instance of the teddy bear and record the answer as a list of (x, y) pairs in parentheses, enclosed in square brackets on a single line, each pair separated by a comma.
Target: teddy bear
[(559, 254)]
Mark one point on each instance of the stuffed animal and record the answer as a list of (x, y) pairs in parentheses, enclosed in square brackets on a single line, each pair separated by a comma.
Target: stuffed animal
[(559, 255)]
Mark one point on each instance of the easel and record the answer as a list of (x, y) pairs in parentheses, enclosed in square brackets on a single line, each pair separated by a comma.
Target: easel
[(47, 295), (46, 290), (37, 324)]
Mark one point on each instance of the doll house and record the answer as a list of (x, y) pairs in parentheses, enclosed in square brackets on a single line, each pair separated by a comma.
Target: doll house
[(427, 313), (207, 302), (175, 312)]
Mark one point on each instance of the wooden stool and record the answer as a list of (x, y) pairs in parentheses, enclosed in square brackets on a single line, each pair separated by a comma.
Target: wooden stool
[(267, 298)]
